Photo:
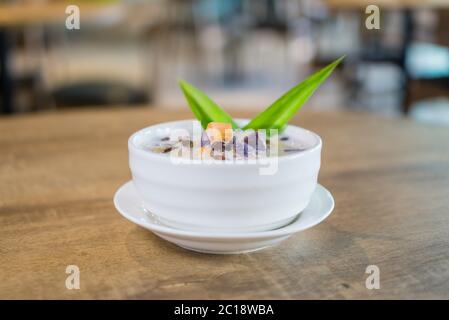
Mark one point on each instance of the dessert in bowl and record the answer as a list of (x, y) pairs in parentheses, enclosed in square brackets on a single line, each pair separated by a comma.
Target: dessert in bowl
[(231, 177), (224, 194)]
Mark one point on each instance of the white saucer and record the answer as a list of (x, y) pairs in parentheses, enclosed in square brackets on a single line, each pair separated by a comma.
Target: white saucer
[(129, 204)]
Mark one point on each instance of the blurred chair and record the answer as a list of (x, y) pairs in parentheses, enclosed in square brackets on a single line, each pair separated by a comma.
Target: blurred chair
[(48, 67), (428, 67), (103, 64), (434, 111), (427, 63)]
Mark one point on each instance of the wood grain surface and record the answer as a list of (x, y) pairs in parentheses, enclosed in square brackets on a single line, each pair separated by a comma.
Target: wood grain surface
[(59, 172)]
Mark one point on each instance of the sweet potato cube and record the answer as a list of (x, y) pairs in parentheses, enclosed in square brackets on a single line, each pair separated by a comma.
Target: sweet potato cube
[(219, 131)]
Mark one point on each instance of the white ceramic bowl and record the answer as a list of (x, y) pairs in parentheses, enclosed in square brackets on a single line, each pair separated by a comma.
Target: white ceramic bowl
[(220, 196)]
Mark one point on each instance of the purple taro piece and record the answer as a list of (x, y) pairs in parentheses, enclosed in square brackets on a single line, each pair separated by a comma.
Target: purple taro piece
[(239, 149), (250, 138), (256, 141), (250, 152), (261, 142), (244, 150), (204, 139)]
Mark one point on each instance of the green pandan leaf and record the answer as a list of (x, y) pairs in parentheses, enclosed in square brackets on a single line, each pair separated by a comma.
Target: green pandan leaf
[(204, 109), (277, 115)]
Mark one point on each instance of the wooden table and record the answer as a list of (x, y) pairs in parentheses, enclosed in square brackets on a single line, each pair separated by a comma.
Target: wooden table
[(59, 171)]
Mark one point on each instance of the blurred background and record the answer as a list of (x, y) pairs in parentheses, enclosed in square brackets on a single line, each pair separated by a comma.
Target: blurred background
[(243, 53)]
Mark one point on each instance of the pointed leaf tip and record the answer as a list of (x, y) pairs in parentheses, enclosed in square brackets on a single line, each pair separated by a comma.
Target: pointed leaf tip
[(203, 107), (277, 115)]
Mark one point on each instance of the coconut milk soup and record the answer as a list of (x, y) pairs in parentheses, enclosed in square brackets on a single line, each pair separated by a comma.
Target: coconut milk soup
[(221, 142)]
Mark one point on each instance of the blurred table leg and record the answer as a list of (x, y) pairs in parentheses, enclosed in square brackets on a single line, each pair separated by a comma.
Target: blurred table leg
[(6, 86), (408, 31)]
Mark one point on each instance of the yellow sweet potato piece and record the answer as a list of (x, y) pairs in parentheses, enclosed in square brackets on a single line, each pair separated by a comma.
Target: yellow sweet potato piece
[(219, 131)]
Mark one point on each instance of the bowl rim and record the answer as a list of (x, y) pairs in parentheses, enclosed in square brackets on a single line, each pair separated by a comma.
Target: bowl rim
[(133, 148)]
